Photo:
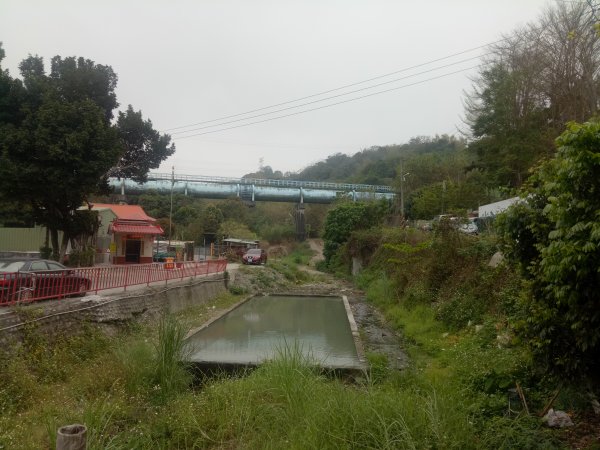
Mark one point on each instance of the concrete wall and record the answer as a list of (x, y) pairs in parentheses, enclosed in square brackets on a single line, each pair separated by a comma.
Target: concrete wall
[(68, 315)]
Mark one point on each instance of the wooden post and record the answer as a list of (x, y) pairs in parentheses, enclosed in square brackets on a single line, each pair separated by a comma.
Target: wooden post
[(71, 437)]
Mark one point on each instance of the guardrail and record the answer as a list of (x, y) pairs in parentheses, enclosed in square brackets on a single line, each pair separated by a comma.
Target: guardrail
[(25, 287)]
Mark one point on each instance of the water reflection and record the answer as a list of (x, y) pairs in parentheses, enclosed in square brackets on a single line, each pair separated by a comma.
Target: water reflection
[(254, 331)]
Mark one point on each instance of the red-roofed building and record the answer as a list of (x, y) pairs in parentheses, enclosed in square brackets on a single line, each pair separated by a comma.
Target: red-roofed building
[(129, 232)]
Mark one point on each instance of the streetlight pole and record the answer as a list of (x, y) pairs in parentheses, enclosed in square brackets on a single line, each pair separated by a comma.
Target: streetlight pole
[(171, 207)]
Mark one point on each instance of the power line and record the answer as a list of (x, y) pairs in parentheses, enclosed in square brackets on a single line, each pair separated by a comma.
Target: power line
[(332, 104), (330, 97), (338, 88)]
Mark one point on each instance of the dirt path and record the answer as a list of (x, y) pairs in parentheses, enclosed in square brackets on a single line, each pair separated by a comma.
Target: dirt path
[(317, 246)]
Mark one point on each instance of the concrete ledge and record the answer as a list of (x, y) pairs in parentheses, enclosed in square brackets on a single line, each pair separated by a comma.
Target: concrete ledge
[(68, 315)]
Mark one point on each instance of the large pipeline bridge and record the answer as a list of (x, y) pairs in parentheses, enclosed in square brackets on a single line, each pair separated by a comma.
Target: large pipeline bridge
[(253, 189)]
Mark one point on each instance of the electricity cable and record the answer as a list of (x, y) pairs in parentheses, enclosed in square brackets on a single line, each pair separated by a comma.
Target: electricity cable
[(327, 98), (332, 104), (338, 88)]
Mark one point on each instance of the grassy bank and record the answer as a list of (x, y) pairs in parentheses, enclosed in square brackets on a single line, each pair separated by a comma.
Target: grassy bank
[(458, 316), (131, 393)]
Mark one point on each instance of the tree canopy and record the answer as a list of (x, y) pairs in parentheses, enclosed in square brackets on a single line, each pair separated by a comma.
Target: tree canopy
[(58, 142), (553, 235), (536, 80), (347, 217)]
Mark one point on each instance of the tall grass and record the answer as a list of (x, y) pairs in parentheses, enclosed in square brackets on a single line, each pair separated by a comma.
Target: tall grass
[(134, 394), (170, 374)]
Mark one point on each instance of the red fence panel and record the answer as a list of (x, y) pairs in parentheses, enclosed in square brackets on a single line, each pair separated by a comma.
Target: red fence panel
[(23, 287)]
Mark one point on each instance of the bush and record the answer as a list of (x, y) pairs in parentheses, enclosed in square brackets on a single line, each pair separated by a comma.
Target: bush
[(82, 257), (237, 290), (277, 234), (553, 235), (461, 309)]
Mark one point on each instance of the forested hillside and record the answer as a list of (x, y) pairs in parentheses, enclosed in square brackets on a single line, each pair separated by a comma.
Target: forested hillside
[(532, 82)]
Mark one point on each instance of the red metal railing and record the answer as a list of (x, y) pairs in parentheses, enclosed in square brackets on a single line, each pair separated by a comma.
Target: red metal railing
[(27, 287)]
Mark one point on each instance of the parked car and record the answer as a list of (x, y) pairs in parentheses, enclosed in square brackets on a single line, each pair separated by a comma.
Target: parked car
[(255, 256), (469, 227), (26, 279)]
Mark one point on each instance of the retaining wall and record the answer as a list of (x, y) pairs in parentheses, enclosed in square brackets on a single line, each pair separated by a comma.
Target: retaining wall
[(69, 315)]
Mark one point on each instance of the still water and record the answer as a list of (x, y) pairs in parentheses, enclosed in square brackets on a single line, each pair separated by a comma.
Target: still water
[(258, 328)]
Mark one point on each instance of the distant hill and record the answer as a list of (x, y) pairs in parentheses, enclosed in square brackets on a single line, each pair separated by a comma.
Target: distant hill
[(375, 165)]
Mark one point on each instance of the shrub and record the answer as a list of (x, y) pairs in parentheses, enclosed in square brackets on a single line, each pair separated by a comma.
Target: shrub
[(277, 234), (237, 290), (170, 374), (553, 235)]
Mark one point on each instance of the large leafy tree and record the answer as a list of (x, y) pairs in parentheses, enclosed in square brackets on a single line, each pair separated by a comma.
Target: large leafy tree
[(58, 142), (534, 81), (554, 237), (144, 147)]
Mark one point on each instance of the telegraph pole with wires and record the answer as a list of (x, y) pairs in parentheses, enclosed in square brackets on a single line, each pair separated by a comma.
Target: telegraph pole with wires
[(403, 176), (171, 207)]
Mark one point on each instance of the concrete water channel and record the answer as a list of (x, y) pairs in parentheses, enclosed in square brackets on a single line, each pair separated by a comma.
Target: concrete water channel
[(260, 328)]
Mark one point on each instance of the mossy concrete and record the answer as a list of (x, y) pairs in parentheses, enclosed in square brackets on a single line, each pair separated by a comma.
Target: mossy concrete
[(67, 316)]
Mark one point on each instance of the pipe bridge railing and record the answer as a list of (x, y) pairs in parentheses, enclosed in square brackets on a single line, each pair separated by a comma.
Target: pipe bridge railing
[(272, 183)]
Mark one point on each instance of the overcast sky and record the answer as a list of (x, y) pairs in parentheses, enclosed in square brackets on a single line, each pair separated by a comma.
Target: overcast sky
[(187, 62)]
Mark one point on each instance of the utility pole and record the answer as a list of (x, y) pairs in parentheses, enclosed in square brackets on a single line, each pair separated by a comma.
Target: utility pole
[(402, 180), (171, 207)]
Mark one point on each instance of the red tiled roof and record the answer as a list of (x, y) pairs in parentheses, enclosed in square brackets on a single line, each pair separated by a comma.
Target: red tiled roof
[(135, 228), (125, 212)]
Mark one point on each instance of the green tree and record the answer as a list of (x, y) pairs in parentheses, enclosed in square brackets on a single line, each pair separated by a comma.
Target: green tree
[(234, 208), (212, 217), (233, 229), (554, 237), (347, 217), (54, 159), (58, 142), (536, 80), (185, 215), (510, 128), (145, 148)]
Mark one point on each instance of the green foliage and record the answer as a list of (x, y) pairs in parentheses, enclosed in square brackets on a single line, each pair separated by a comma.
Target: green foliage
[(289, 269), (82, 257), (554, 236), (233, 229), (212, 217), (504, 433), (185, 215), (526, 93), (461, 310), (278, 234), (347, 217), (57, 141), (145, 148), (237, 290), (170, 374), (447, 196), (508, 144)]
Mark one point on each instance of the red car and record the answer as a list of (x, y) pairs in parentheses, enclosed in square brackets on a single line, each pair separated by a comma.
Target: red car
[(31, 279), (255, 256)]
